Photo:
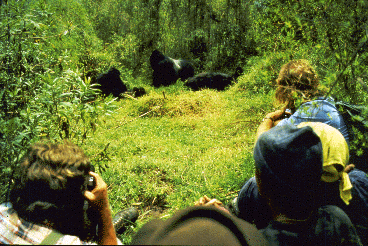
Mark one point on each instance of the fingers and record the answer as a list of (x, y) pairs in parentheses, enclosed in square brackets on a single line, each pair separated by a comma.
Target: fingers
[(89, 195), (275, 115), (202, 201), (213, 202), (278, 114), (100, 184), (98, 196), (206, 201), (349, 168)]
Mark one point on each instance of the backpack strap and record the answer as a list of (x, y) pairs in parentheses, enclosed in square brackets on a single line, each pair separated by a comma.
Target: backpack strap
[(52, 238)]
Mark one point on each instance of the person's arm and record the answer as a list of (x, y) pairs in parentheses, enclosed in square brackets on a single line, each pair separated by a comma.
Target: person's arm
[(99, 200), (270, 120)]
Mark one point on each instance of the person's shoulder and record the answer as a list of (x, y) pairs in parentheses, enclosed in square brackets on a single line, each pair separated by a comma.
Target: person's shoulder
[(333, 210), (337, 224), (5, 206), (278, 233), (326, 101), (324, 106), (7, 212), (359, 180), (334, 218), (72, 240), (320, 101)]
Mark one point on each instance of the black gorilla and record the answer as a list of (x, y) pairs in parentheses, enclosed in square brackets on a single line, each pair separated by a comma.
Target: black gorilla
[(213, 80), (166, 70), (138, 91), (110, 83)]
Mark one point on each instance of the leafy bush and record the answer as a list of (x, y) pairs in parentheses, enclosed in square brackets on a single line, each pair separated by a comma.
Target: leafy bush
[(260, 74), (39, 98)]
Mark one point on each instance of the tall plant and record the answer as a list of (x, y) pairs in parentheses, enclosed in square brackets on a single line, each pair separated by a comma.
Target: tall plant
[(42, 94)]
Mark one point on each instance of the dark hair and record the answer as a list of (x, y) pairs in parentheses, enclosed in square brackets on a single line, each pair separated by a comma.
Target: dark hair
[(296, 77), (50, 185), (297, 205)]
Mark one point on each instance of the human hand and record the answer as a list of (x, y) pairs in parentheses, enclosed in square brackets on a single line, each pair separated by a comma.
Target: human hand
[(349, 168), (98, 196), (278, 115), (206, 201), (99, 201)]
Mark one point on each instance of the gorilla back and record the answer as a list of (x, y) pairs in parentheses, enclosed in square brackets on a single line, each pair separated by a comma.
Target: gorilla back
[(111, 83), (213, 80), (167, 71)]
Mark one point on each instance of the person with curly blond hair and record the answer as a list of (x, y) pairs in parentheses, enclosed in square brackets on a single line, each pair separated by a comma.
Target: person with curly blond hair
[(298, 90), (296, 79)]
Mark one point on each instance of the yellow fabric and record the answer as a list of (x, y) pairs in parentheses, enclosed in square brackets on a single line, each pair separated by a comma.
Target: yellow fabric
[(335, 157)]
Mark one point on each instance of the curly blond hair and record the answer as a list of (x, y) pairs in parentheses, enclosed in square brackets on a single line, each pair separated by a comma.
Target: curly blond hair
[(296, 78)]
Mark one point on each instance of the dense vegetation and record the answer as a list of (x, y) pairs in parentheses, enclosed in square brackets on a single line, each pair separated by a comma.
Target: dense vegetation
[(163, 151)]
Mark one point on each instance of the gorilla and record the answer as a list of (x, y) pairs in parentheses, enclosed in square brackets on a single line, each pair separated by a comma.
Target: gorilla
[(110, 83), (138, 91), (167, 71), (213, 80)]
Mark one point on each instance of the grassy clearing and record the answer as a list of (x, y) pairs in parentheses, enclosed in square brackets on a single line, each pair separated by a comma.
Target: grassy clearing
[(189, 144)]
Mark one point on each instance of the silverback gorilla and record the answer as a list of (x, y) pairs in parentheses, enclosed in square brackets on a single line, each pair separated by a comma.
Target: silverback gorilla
[(110, 83), (213, 80), (167, 71)]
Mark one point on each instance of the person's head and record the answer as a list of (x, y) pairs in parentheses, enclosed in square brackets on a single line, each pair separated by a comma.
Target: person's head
[(335, 159), (288, 162), (199, 225), (297, 78), (50, 185)]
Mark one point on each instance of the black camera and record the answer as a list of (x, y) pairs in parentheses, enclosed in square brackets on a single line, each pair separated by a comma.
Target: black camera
[(287, 113), (90, 216), (91, 183)]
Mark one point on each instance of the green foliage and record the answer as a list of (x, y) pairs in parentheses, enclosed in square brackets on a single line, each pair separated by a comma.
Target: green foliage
[(125, 50), (330, 30), (261, 73), (356, 120), (68, 107), (39, 98)]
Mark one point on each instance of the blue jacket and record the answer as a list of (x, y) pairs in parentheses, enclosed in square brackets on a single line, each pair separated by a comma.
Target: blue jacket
[(319, 110)]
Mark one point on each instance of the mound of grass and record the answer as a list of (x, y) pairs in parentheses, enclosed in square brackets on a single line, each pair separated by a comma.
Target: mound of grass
[(195, 104)]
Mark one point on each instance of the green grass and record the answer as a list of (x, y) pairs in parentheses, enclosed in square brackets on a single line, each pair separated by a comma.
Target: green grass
[(189, 144)]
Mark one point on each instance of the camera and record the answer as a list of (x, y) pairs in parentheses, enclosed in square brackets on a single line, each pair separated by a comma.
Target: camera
[(91, 183), (287, 113)]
